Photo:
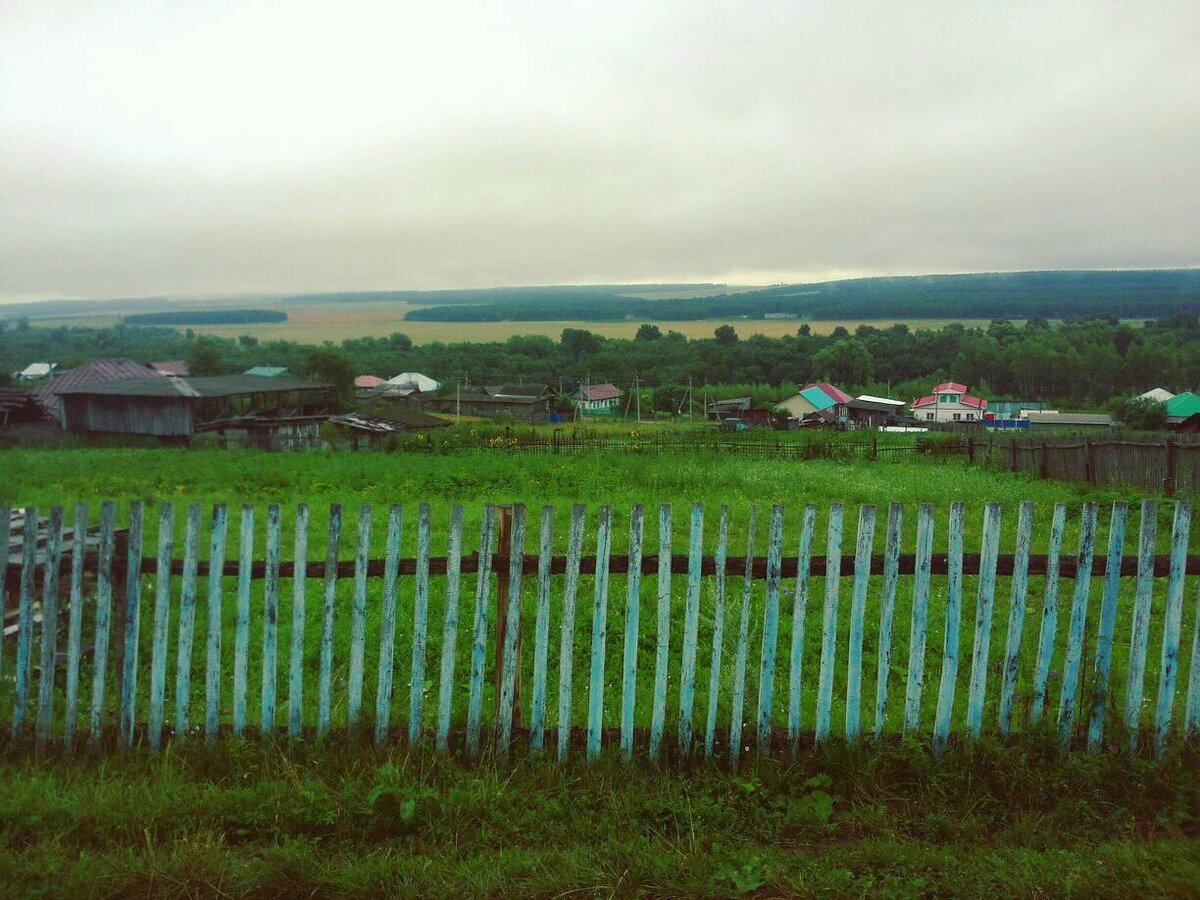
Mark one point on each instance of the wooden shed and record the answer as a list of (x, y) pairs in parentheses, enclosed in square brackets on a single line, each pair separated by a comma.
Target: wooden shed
[(181, 407)]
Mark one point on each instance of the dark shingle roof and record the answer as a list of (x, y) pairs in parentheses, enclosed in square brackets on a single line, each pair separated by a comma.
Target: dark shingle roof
[(208, 386)]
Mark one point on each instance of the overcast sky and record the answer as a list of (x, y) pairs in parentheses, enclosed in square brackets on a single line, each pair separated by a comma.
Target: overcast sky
[(226, 147)]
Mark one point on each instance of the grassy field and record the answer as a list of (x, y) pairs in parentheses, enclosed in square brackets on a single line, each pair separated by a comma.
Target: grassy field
[(264, 821), (245, 821)]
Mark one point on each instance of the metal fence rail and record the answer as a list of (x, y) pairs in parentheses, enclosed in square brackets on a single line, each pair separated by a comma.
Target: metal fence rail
[(683, 671)]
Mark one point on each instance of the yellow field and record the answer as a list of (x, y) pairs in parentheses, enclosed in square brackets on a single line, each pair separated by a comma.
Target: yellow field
[(313, 324)]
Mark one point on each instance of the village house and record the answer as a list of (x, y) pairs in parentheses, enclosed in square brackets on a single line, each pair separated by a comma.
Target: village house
[(866, 411), (36, 371), (267, 371), (598, 399), (949, 402), (818, 397), (1181, 407), (96, 371), (272, 411), (522, 409), (537, 391), (415, 381)]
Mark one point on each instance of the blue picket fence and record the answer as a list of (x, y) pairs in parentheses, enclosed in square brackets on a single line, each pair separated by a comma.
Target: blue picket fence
[(635, 689)]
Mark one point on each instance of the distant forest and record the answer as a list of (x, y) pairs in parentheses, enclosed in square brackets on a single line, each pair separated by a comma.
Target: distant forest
[(1051, 295), (1079, 363), (208, 317)]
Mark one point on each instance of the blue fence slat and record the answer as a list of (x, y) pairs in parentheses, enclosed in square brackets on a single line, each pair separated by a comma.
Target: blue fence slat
[(919, 628), (718, 635), (887, 608), (595, 721), (1075, 631), (737, 704), (541, 639), (1016, 615), (358, 623), (512, 632), (6, 524), (662, 653), (299, 602), (270, 622), (187, 621), (212, 669), (416, 676), (450, 626), (566, 653), (479, 630), (954, 576), (984, 601), (829, 620), (74, 623), (1140, 630), (1108, 624), (770, 635), (633, 602), (799, 612), (328, 619), (241, 636), (1172, 618), (691, 624), (133, 620), (108, 517), (858, 608), (162, 614), (49, 644), (1049, 627), (387, 625)]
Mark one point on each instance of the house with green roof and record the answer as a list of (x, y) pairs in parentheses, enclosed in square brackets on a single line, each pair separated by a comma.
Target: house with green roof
[(1181, 406)]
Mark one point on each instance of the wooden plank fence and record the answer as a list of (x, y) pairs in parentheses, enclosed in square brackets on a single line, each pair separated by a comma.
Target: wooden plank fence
[(1064, 656)]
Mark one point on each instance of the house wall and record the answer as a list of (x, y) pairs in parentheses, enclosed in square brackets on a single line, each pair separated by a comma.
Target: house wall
[(160, 416), (945, 412)]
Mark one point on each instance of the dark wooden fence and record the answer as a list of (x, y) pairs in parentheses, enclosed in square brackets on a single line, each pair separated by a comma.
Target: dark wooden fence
[(1165, 465), (101, 594)]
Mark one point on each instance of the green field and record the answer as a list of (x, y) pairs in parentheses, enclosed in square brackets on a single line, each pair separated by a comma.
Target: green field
[(266, 821)]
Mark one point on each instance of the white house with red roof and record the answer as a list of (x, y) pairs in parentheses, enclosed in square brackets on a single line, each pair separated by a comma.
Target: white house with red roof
[(949, 402), (598, 397)]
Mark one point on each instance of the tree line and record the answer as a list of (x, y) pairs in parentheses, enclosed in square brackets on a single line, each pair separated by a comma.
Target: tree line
[(1078, 363)]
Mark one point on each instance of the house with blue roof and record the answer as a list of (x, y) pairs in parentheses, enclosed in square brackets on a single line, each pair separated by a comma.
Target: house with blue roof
[(818, 397)]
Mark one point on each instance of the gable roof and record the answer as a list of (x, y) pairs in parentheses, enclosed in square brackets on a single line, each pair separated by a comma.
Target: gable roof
[(368, 381), (1183, 405), (422, 383), (604, 391), (37, 370), (822, 395), (208, 386), (1158, 395), (267, 371), (170, 367), (518, 390), (948, 386), (97, 371)]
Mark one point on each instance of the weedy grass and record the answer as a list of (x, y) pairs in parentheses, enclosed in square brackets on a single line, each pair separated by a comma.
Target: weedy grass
[(240, 819)]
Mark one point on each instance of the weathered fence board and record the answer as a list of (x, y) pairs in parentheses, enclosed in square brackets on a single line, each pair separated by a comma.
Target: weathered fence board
[(623, 699)]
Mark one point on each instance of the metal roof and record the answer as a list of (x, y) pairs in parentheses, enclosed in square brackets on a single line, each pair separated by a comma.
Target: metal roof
[(96, 372), (267, 371), (208, 386), (605, 391)]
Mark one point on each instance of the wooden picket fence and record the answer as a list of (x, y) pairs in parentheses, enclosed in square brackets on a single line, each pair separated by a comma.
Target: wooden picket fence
[(90, 574)]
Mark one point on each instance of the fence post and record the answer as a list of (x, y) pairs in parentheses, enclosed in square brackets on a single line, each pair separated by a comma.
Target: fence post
[(970, 450), (1169, 487), (1012, 446), (504, 550), (1089, 466), (1044, 469)]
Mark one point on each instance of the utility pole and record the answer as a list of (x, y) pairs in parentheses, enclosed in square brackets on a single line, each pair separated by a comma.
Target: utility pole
[(691, 401), (458, 399), (637, 391)]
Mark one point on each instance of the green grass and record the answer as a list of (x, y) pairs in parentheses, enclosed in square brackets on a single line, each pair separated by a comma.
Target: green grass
[(243, 820), (270, 821)]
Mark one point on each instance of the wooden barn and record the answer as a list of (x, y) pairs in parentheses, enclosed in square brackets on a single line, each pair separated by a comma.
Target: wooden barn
[(182, 407)]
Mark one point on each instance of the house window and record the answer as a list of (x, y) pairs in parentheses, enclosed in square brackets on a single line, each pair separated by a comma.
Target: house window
[(957, 416), (929, 416), (944, 398), (970, 417)]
